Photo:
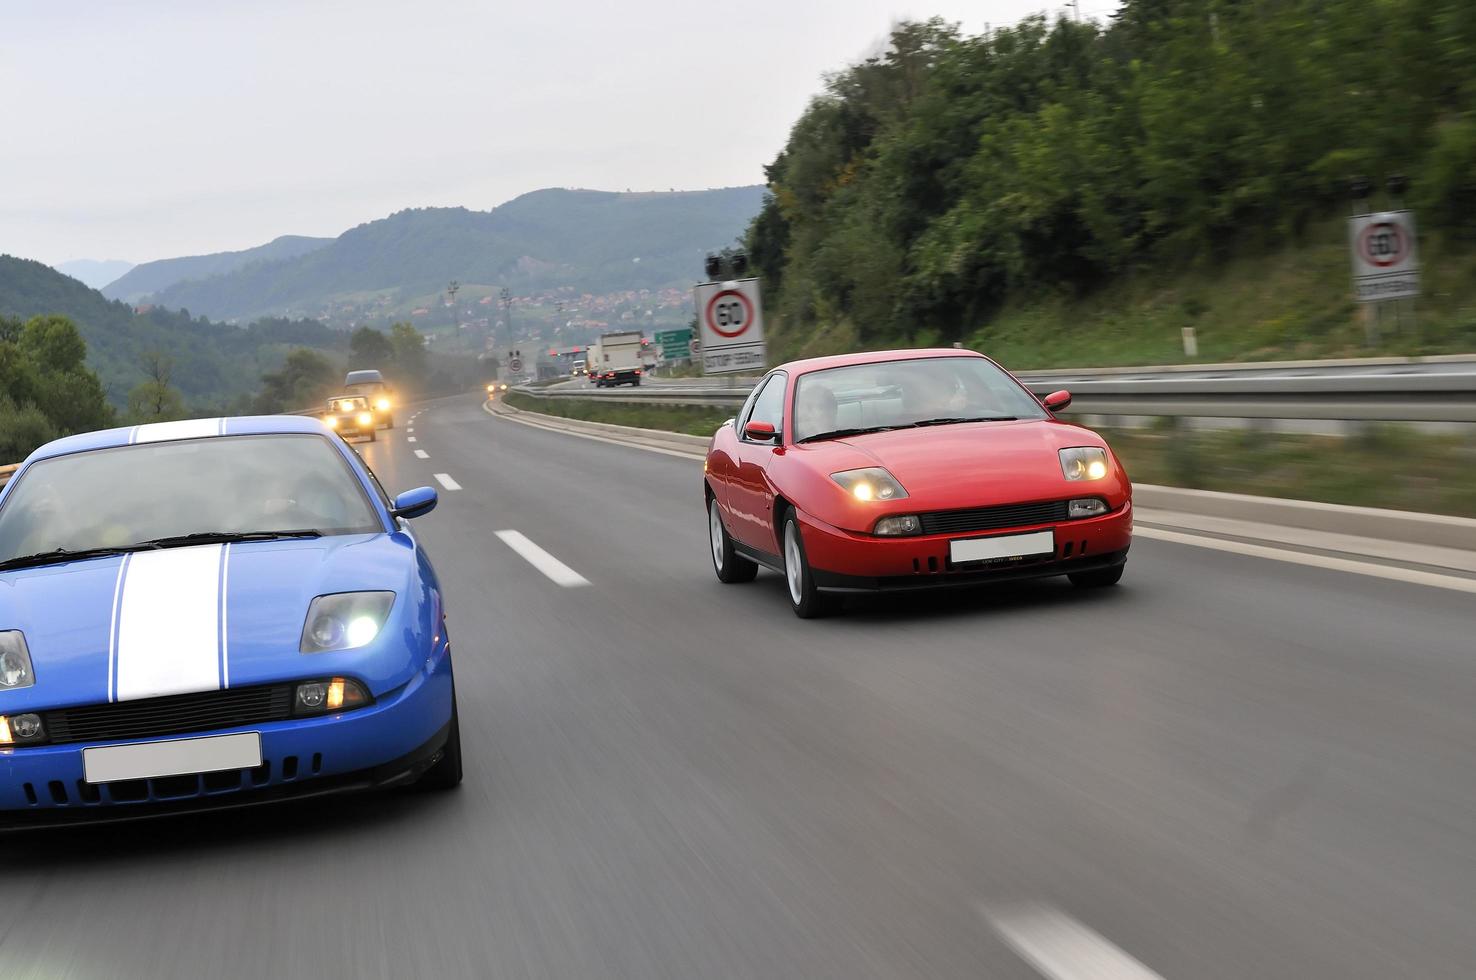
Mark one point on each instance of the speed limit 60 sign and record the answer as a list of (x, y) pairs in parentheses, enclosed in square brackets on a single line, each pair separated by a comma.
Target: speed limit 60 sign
[(730, 320), (1386, 264)]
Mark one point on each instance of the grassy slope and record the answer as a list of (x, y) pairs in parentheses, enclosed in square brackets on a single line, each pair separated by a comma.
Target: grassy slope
[(1289, 305)]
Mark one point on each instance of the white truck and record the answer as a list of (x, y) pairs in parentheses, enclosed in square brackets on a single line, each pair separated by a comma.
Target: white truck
[(592, 363), (619, 359)]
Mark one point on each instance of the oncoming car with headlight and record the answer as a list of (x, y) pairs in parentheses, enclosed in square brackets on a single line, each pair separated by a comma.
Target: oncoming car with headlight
[(905, 470), (350, 415), (214, 613), (381, 398)]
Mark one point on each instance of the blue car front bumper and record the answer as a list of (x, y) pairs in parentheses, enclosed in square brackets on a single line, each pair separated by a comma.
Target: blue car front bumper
[(388, 743)]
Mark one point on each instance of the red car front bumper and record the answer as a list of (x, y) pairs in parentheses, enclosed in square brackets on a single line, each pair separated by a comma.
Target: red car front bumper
[(844, 561)]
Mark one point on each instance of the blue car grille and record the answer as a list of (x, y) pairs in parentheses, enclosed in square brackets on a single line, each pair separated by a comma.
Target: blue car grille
[(174, 715), (993, 518)]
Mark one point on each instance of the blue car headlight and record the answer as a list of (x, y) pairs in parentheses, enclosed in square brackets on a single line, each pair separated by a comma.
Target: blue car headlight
[(15, 661), (344, 620)]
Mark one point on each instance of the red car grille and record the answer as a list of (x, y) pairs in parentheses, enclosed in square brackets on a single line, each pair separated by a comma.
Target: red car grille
[(993, 518)]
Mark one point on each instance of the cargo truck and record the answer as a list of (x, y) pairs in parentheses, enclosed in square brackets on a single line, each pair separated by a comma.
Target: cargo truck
[(620, 359)]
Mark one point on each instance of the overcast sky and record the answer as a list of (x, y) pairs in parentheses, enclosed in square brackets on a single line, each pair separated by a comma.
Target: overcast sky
[(152, 128)]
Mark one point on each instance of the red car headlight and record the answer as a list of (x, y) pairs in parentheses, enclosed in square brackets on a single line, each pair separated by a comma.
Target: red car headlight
[(870, 483)]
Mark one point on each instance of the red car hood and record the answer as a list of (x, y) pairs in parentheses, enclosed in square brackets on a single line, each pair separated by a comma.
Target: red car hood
[(969, 464)]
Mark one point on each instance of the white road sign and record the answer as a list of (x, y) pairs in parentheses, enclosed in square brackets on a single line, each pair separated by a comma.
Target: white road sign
[(730, 321), (1386, 264)]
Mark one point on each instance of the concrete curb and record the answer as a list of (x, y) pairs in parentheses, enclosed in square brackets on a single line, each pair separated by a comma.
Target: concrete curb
[(1404, 527)]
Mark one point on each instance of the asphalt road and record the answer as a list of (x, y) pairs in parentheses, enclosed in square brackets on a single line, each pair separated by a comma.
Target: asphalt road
[(1226, 767)]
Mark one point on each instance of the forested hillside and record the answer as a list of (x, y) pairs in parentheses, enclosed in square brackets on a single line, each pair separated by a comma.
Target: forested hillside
[(1040, 179), (213, 364), (593, 241), (151, 277)]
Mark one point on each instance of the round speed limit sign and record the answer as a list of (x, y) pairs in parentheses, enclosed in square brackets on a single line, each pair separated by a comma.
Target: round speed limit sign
[(1382, 244), (729, 313)]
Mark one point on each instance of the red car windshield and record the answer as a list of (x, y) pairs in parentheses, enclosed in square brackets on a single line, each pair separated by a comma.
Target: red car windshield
[(899, 394)]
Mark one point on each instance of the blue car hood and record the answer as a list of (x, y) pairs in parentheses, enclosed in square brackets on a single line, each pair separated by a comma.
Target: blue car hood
[(201, 618)]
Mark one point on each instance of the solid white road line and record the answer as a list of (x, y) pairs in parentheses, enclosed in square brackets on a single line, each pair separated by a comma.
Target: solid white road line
[(546, 563), (1392, 572), (1061, 948), (421, 454), (409, 438), (447, 482)]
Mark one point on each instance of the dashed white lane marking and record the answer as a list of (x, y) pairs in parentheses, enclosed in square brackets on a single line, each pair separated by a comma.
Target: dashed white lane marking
[(546, 563), (447, 482), (421, 454), (1392, 572), (409, 438), (1061, 948)]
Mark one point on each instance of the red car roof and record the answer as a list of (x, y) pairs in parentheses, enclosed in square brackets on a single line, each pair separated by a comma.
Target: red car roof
[(872, 357)]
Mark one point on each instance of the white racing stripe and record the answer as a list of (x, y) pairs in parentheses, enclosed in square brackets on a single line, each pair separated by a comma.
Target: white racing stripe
[(421, 454), (183, 429), (546, 563), (447, 482), (169, 623), (1061, 948)]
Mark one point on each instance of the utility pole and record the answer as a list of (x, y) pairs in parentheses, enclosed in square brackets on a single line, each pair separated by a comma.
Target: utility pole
[(451, 289), (506, 295)]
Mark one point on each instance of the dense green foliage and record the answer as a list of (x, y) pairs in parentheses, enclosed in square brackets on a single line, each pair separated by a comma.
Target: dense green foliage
[(213, 365), (934, 185), (151, 277), (46, 390), (593, 241)]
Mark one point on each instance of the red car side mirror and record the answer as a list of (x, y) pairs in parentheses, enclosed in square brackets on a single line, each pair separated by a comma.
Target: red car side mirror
[(759, 431), (1057, 400)]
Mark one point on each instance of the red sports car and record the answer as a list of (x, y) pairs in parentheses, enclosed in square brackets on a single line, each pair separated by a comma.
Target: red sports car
[(910, 469)]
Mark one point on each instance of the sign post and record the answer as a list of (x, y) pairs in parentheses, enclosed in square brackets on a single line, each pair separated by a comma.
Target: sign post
[(730, 322), (1386, 263)]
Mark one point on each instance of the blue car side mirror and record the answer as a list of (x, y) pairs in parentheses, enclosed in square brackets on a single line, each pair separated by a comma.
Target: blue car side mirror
[(414, 503)]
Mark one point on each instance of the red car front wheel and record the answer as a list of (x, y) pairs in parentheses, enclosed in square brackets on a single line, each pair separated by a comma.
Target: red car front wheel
[(805, 599)]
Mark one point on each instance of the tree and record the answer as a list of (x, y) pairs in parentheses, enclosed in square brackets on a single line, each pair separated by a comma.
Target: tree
[(305, 378), (155, 400), (369, 348), (409, 352), (46, 390)]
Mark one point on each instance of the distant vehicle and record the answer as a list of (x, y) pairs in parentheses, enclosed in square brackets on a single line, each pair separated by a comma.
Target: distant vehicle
[(277, 628), (620, 359), (904, 470), (349, 414), (578, 370), (592, 363), (371, 385)]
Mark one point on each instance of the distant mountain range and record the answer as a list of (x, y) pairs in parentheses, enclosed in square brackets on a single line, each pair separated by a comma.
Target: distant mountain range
[(592, 241), (137, 282), (96, 273)]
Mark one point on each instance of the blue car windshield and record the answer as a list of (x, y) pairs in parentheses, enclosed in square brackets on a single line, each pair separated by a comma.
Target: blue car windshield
[(113, 498)]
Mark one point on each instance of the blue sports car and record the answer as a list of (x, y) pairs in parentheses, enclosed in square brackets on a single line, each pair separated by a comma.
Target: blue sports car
[(214, 613)]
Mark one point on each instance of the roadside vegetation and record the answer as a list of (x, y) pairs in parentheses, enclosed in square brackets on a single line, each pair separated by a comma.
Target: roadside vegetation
[(1075, 194)]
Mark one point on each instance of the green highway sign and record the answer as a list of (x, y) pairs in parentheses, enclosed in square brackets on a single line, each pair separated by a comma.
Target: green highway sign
[(674, 343)]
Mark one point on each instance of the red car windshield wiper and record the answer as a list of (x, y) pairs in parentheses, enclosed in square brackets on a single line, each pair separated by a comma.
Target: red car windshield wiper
[(970, 418), (842, 433)]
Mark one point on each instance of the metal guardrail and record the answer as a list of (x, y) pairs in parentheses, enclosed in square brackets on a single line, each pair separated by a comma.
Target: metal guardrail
[(1377, 397)]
